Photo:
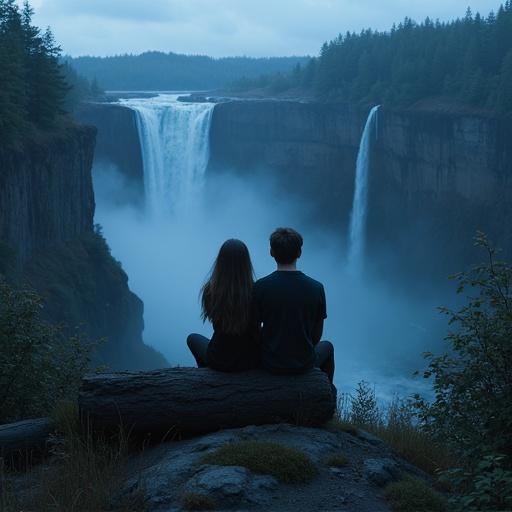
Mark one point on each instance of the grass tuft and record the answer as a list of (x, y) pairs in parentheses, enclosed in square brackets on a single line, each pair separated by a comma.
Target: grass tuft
[(337, 425), (83, 474), (286, 464), (412, 494), (195, 501), (338, 460)]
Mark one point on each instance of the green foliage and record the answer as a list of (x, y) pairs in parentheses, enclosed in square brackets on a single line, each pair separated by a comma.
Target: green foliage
[(411, 494), (472, 409), (364, 409), (286, 464), (467, 61), (33, 87), (39, 365)]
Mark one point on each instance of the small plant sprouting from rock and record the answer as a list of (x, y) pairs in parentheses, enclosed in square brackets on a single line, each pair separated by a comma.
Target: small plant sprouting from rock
[(195, 501), (286, 464), (337, 460), (413, 494)]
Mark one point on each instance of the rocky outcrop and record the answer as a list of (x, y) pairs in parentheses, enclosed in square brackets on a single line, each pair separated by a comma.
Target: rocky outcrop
[(165, 475), (46, 193)]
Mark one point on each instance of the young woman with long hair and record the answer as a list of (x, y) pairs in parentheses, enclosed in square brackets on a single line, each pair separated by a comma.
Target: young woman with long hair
[(227, 302)]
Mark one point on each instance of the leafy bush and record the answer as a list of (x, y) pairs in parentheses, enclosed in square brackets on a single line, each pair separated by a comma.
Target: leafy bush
[(472, 409), (40, 366)]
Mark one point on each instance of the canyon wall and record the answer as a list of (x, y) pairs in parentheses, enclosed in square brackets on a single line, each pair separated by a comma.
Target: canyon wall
[(46, 193), (435, 178), (48, 242)]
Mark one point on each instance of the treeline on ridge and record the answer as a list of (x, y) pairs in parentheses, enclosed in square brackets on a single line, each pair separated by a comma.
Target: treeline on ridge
[(158, 71), (36, 89), (468, 60)]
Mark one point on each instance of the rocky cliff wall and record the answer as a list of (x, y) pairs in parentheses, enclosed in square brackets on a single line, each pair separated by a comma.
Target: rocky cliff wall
[(117, 142), (436, 177), (46, 193), (46, 227)]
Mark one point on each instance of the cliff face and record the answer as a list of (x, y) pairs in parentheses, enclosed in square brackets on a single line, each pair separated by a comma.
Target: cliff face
[(310, 148), (117, 141), (435, 177), (46, 221), (46, 193)]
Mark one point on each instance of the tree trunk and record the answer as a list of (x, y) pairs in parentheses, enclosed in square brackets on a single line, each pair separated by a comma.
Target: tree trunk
[(22, 436), (199, 400)]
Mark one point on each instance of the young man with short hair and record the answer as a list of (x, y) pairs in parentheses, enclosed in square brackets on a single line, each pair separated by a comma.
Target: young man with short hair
[(292, 309)]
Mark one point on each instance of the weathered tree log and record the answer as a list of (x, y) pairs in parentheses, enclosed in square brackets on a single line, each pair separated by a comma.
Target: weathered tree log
[(199, 400), (23, 436)]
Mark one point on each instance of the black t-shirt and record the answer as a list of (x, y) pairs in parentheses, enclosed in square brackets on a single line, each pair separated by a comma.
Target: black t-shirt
[(290, 305)]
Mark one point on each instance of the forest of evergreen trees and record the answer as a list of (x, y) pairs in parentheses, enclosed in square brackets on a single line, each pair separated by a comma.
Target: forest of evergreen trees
[(468, 60), (157, 71), (35, 88)]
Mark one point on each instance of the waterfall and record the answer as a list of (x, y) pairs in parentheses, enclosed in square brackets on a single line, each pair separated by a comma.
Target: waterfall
[(360, 202), (174, 140)]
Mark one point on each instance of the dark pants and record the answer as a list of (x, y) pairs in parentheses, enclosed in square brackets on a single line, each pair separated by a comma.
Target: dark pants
[(324, 350), (325, 358), (198, 345)]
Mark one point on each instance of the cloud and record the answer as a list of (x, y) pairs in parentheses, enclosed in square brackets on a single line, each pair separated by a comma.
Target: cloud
[(227, 27)]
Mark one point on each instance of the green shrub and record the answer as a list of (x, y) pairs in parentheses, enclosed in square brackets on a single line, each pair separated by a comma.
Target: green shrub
[(286, 464), (413, 495), (472, 408), (40, 366)]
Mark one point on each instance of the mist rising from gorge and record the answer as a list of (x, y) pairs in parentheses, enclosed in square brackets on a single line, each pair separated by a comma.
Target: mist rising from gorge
[(379, 329)]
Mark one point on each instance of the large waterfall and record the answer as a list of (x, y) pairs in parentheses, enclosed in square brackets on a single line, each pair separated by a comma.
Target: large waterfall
[(360, 202), (174, 138)]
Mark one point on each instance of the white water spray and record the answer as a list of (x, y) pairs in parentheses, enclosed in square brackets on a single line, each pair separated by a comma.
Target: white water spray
[(174, 139), (360, 203)]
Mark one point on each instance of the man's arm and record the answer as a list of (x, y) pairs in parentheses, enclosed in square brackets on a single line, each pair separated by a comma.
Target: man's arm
[(316, 335)]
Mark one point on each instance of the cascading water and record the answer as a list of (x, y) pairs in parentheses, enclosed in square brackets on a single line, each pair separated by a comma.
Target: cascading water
[(174, 139), (360, 202)]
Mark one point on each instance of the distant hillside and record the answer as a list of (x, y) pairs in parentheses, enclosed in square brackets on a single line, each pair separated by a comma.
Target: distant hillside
[(171, 71)]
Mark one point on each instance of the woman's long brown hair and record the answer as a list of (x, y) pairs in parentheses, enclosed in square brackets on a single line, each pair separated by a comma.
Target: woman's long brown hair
[(226, 297)]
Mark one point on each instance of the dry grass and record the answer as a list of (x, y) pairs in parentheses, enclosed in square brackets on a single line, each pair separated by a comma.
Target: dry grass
[(286, 464), (83, 474)]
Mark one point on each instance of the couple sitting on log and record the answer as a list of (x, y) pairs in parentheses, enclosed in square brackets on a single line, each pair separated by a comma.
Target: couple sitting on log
[(274, 323)]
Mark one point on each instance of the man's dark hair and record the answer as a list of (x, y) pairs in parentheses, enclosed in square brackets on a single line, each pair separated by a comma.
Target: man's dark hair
[(286, 245)]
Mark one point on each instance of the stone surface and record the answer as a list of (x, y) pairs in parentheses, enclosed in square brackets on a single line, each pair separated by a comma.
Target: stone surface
[(46, 193), (167, 471), (381, 471)]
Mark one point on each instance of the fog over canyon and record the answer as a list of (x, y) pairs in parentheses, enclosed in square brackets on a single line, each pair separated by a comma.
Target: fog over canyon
[(167, 225)]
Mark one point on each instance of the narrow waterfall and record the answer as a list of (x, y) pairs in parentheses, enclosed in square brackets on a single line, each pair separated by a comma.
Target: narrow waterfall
[(360, 203), (174, 138)]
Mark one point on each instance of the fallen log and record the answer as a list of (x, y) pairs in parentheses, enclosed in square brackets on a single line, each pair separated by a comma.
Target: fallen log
[(24, 436), (200, 400)]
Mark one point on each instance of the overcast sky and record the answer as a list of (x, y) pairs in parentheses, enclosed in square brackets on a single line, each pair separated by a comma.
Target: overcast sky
[(227, 27)]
